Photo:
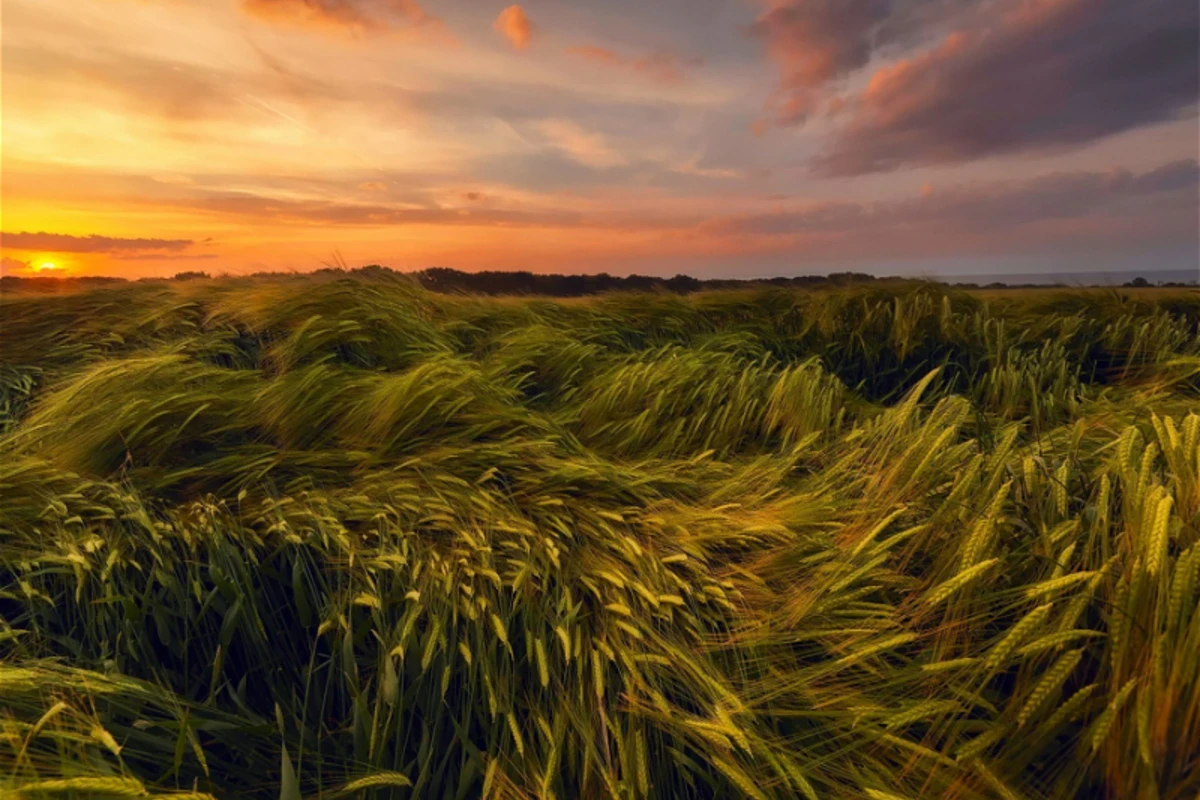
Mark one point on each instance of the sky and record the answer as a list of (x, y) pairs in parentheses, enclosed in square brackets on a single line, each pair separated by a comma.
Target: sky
[(716, 138)]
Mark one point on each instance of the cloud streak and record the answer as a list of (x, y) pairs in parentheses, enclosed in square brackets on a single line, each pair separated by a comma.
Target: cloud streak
[(1092, 212), (165, 257), (260, 208), (661, 66), (353, 16), (585, 147), (66, 243), (997, 210)]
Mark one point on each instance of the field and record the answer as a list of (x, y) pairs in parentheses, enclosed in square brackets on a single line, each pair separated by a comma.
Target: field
[(345, 537)]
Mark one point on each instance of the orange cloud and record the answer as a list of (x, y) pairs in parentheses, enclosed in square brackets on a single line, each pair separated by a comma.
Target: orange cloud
[(514, 24), (355, 16), (903, 74)]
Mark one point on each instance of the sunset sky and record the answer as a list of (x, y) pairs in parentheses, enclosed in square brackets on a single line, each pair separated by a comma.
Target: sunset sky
[(740, 138)]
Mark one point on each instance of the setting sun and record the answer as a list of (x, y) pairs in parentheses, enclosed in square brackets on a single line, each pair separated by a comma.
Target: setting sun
[(47, 267)]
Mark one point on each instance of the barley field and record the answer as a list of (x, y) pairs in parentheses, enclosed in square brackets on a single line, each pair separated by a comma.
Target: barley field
[(336, 537)]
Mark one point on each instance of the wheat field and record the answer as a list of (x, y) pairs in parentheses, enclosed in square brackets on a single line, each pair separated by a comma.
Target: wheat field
[(343, 537)]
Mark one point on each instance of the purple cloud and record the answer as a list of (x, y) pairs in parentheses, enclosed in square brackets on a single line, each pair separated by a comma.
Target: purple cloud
[(1033, 75)]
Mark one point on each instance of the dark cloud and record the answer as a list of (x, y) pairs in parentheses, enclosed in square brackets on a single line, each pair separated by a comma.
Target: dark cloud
[(1182, 174), (996, 209), (65, 243), (356, 16), (1039, 74)]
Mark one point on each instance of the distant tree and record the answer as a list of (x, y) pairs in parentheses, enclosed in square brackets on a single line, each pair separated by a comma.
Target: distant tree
[(375, 271), (191, 275), (1138, 283), (849, 277), (683, 284), (524, 282), (641, 283)]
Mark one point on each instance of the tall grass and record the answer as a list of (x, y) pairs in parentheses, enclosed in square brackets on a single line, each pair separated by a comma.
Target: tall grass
[(318, 538)]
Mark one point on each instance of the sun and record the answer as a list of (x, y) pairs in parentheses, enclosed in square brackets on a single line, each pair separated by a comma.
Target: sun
[(47, 266)]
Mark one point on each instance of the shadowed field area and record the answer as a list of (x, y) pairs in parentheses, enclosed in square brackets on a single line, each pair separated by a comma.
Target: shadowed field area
[(346, 537)]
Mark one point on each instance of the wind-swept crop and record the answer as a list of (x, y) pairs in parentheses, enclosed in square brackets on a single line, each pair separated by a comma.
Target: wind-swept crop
[(307, 538)]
